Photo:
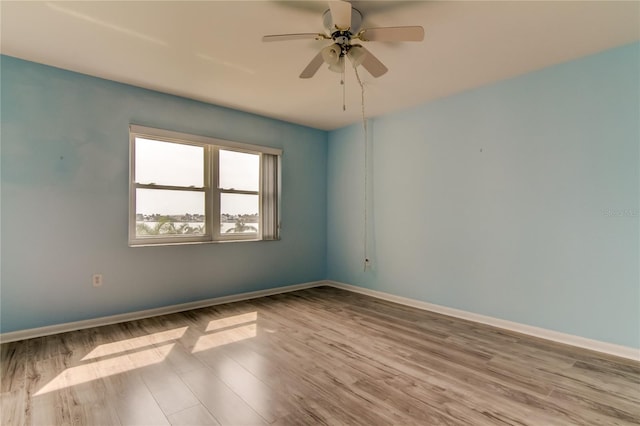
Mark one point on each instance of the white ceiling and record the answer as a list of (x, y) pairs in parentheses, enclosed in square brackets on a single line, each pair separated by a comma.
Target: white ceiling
[(212, 51)]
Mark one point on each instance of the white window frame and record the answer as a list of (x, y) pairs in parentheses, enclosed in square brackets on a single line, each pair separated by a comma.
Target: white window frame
[(269, 182)]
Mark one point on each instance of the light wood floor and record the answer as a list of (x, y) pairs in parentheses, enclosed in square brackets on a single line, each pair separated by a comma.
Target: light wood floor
[(317, 356)]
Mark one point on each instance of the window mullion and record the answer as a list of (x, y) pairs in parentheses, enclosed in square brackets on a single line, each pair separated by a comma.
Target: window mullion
[(261, 212), (132, 188), (215, 192)]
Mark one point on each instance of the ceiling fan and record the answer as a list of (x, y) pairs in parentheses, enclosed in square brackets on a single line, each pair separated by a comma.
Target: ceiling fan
[(342, 22)]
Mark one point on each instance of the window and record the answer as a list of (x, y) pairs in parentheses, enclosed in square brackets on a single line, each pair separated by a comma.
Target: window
[(187, 189)]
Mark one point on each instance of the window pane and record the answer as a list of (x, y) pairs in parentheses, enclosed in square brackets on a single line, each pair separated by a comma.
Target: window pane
[(239, 213), (239, 170), (164, 212), (165, 163)]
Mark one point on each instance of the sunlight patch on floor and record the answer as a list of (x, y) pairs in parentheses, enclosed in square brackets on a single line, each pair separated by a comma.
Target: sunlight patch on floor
[(224, 337), (135, 343), (232, 321), (228, 330), (119, 357), (94, 370)]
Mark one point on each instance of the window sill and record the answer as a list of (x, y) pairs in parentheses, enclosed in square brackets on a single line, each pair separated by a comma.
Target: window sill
[(187, 243)]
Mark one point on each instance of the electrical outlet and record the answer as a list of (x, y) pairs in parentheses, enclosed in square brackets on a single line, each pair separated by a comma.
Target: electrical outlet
[(97, 280)]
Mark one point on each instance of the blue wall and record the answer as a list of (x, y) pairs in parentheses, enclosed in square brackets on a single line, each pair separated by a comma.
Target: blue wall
[(65, 202), (517, 200)]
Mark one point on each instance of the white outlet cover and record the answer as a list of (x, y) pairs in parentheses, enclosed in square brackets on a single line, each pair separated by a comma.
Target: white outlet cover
[(97, 280)]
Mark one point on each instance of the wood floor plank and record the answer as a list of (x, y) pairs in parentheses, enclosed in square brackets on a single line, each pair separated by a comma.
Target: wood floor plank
[(12, 407), (193, 416), (94, 413), (260, 397), (46, 393), (182, 360), (168, 389), (87, 398), (225, 406), (12, 366), (315, 356), (286, 378), (598, 410), (133, 401)]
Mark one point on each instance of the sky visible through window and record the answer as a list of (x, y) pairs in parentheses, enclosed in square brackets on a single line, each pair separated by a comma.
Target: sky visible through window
[(165, 163)]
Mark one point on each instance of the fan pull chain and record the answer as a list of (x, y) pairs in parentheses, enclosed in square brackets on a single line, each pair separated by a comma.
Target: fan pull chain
[(366, 164)]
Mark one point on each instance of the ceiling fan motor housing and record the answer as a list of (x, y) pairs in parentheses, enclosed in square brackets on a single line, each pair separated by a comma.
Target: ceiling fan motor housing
[(341, 37)]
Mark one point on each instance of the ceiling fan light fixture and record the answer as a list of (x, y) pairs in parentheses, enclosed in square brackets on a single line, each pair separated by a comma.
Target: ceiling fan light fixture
[(338, 66), (331, 54), (356, 55), (342, 22)]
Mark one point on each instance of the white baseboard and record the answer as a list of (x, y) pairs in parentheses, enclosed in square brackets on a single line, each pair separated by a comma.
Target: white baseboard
[(568, 339), (114, 319), (556, 336)]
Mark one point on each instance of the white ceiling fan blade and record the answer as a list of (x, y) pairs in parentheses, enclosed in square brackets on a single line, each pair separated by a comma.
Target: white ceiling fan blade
[(313, 66), (415, 33), (340, 14), (373, 65), (300, 36)]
